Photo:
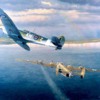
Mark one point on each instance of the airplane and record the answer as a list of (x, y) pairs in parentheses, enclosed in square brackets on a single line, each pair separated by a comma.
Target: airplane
[(67, 71), (23, 37)]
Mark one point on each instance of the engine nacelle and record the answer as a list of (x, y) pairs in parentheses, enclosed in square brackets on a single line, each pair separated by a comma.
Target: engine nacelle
[(81, 76), (67, 75), (60, 71), (82, 73)]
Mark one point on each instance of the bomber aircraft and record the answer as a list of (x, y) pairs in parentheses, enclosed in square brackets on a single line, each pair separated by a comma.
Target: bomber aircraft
[(17, 36), (67, 71)]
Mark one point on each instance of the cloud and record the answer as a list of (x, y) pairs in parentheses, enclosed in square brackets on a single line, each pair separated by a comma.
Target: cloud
[(76, 19), (31, 15), (46, 3), (31, 12), (83, 2), (73, 14), (38, 17), (20, 5)]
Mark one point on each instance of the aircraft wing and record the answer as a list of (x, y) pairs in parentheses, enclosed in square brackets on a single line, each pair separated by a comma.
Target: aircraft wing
[(28, 61), (39, 62), (92, 70), (12, 30), (71, 68), (51, 64)]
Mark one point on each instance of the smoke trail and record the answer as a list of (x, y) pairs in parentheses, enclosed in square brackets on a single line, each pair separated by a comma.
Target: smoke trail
[(56, 91)]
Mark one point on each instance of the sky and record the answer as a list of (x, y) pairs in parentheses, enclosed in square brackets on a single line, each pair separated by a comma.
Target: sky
[(75, 19)]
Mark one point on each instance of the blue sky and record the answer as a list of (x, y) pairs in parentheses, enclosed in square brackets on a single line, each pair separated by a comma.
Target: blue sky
[(75, 19)]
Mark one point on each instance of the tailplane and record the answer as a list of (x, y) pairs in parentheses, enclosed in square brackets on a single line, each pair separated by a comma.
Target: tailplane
[(58, 41)]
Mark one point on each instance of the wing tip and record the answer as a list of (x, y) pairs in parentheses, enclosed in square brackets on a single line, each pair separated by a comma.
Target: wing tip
[(26, 47)]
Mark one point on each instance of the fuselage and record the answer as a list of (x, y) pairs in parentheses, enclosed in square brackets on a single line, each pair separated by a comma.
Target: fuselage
[(38, 39)]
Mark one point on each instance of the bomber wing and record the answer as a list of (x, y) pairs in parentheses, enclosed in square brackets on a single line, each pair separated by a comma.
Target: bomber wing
[(81, 71), (39, 62)]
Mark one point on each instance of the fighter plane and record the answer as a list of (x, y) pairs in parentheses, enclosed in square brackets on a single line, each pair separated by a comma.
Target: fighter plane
[(12, 31), (67, 71)]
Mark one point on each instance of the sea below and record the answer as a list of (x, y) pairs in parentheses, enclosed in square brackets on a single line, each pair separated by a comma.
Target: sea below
[(25, 81)]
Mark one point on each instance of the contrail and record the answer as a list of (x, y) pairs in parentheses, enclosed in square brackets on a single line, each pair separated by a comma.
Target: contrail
[(56, 91)]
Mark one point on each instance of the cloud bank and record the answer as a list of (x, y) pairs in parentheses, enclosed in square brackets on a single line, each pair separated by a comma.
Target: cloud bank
[(75, 19)]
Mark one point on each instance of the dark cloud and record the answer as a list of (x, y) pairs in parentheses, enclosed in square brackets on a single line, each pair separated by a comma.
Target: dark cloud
[(20, 4), (81, 5), (83, 2)]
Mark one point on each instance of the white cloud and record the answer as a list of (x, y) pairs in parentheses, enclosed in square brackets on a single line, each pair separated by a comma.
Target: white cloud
[(30, 18), (46, 3), (32, 12), (73, 14), (41, 11), (31, 15), (76, 20)]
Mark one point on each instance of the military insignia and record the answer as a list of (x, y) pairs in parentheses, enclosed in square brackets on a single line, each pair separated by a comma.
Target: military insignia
[(36, 37)]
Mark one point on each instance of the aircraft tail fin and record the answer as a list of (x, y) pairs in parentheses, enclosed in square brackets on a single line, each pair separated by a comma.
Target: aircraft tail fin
[(82, 73), (58, 41), (62, 40)]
